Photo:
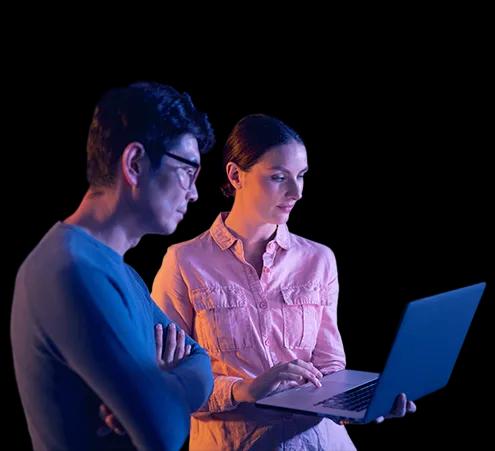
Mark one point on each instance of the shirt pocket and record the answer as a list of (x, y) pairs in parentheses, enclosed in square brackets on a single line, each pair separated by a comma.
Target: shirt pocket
[(222, 318), (301, 310)]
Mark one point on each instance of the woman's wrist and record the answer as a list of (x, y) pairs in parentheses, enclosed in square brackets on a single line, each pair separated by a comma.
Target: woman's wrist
[(240, 392)]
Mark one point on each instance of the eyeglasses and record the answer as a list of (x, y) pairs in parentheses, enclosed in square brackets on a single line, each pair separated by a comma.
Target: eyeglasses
[(187, 176)]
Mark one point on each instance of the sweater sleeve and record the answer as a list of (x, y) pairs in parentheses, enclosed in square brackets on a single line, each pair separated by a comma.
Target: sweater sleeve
[(89, 324)]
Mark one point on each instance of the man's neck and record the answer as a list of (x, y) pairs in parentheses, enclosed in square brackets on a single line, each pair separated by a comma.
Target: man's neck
[(103, 215)]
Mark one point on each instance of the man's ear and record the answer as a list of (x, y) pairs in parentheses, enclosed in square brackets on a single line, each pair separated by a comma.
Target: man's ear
[(234, 175), (133, 162)]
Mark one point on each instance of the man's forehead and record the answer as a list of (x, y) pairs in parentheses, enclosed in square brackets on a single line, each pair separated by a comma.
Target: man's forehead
[(187, 147)]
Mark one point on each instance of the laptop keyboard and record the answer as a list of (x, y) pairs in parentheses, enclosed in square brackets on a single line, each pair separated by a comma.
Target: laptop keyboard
[(356, 398)]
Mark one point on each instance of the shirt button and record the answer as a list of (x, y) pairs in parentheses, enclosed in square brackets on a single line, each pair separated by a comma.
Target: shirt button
[(267, 341), (266, 269), (263, 304)]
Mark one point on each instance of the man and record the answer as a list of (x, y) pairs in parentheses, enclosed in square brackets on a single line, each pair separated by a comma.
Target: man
[(83, 324)]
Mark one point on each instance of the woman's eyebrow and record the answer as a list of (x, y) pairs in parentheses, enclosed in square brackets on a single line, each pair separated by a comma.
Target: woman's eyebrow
[(283, 168)]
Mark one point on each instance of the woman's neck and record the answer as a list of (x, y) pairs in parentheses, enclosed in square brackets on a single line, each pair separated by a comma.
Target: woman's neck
[(252, 233)]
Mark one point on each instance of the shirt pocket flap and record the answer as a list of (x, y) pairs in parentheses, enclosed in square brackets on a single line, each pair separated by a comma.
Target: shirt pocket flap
[(217, 297), (312, 294)]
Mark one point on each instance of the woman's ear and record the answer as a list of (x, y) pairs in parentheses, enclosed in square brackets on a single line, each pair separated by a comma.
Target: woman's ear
[(133, 162), (234, 175)]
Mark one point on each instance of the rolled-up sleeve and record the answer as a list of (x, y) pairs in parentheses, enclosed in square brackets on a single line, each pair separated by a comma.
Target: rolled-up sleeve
[(329, 355), (171, 294)]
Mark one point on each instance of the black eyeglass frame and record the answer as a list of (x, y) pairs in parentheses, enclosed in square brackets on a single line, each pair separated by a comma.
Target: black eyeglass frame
[(191, 163)]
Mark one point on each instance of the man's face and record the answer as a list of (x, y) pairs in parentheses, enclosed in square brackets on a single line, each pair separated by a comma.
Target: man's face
[(172, 186)]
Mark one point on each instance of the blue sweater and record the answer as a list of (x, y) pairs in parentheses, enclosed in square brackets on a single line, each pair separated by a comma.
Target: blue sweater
[(82, 332)]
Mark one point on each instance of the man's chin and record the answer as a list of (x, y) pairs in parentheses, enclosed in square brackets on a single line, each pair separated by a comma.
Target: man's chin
[(168, 229)]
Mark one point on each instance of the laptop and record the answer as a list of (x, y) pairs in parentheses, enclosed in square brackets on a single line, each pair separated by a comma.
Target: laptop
[(425, 349)]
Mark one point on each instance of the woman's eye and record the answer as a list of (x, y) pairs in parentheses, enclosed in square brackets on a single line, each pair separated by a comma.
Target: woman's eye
[(278, 178)]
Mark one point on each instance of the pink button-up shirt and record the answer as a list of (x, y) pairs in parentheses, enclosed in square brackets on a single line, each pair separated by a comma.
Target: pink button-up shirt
[(248, 324)]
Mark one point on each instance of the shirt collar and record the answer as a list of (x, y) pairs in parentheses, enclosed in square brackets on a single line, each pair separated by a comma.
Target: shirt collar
[(224, 238)]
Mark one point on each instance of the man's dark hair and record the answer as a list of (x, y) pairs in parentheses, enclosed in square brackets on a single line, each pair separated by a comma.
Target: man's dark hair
[(152, 114)]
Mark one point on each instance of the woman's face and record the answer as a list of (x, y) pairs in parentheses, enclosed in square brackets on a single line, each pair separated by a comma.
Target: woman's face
[(271, 187)]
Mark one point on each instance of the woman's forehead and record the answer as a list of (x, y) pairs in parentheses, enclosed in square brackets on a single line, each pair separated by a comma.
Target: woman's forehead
[(290, 155)]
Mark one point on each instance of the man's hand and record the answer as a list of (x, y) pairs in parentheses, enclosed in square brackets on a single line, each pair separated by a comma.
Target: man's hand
[(111, 423), (175, 346)]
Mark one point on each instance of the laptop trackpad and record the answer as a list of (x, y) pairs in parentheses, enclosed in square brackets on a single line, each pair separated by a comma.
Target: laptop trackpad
[(351, 377)]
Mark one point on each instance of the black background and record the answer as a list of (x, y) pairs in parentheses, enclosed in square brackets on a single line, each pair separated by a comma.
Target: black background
[(400, 187)]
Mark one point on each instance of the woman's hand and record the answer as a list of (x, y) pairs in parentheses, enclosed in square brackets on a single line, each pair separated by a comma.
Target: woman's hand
[(282, 375), (400, 408)]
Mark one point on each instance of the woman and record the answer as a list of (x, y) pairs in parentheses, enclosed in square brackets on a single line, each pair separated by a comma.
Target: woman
[(261, 300)]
